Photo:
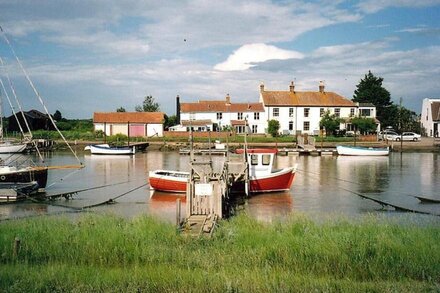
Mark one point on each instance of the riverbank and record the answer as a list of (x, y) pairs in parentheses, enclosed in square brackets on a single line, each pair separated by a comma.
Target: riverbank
[(425, 145), (106, 253)]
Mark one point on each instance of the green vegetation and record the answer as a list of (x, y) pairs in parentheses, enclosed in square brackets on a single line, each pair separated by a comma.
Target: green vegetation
[(106, 253), (148, 105), (330, 122), (364, 125), (273, 127)]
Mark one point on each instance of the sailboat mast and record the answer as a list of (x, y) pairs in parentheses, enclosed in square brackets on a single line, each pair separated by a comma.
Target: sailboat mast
[(1, 115)]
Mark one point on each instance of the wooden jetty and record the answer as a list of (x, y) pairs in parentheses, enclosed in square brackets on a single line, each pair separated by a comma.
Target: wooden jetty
[(208, 194)]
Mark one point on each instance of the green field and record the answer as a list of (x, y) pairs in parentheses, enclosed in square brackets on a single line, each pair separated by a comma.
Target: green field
[(107, 253)]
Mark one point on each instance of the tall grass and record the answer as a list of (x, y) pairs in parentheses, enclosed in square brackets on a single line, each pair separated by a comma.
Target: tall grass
[(108, 253)]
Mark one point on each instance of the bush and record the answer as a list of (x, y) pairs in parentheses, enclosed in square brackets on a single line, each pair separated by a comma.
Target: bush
[(273, 128)]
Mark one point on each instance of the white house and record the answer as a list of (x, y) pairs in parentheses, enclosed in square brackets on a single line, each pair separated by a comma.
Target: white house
[(430, 117), (301, 111), (129, 123), (213, 115)]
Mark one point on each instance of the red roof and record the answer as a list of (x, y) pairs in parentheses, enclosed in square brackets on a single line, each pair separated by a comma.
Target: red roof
[(220, 106), (317, 99), (132, 117)]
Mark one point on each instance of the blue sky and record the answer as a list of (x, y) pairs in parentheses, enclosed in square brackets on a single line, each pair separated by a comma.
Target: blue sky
[(87, 56)]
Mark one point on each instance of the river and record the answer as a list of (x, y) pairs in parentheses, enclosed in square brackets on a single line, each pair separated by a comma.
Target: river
[(323, 186)]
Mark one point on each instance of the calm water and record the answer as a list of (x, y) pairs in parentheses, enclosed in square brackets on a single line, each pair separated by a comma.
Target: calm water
[(323, 186)]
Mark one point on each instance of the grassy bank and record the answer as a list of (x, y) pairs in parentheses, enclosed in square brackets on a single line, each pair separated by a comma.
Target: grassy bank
[(107, 253)]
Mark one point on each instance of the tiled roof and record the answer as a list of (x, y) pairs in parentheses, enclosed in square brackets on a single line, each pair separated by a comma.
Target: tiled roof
[(201, 122), (132, 117), (435, 110), (366, 105), (288, 98), (238, 122), (220, 106)]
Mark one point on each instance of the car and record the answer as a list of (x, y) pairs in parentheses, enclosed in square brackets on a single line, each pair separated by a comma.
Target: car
[(388, 135), (409, 136)]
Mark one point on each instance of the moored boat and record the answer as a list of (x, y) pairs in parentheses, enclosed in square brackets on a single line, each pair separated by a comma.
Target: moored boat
[(262, 178), (105, 149), (12, 148), (168, 180), (362, 151), (14, 175)]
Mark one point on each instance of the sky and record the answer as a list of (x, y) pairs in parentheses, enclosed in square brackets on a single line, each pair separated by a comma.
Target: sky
[(99, 55)]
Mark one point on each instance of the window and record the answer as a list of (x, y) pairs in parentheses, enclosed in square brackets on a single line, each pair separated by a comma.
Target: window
[(365, 112), (240, 116), (254, 128), (306, 112), (306, 125), (351, 112), (256, 116), (290, 112), (266, 160), (276, 112), (219, 116), (240, 129), (321, 112), (337, 112), (192, 116), (290, 125), (254, 159)]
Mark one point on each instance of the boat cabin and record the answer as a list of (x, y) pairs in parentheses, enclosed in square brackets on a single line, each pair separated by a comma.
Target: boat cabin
[(260, 161)]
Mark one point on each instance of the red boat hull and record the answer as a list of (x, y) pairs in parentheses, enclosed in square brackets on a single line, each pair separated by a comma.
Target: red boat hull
[(278, 181), (167, 185)]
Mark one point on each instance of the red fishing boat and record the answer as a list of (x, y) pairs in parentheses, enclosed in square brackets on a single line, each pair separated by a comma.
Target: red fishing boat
[(262, 178)]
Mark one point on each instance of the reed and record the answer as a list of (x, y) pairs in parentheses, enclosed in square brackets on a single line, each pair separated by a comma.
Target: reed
[(107, 253)]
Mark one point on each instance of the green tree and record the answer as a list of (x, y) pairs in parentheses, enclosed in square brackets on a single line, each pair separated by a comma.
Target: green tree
[(170, 121), (330, 122), (149, 105), (121, 109), (57, 116), (364, 124), (273, 127), (370, 90)]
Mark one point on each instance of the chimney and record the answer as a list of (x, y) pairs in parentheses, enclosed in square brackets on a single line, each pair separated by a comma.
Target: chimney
[(228, 99), (292, 87), (321, 86), (177, 109), (261, 87)]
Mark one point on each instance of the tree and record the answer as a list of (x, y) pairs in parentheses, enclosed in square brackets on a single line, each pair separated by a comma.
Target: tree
[(149, 105), (273, 127), (170, 121), (364, 124), (370, 90), (121, 109), (330, 122), (57, 116)]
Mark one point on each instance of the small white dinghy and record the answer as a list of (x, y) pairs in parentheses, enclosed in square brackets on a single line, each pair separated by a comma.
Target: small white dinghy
[(105, 149), (362, 151)]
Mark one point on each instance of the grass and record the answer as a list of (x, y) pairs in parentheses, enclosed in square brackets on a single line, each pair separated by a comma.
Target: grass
[(107, 253)]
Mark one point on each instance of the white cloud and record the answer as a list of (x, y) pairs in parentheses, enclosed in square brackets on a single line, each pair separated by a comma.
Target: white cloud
[(372, 6), (248, 55)]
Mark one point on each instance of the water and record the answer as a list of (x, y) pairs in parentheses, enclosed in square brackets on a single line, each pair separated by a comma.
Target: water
[(323, 186)]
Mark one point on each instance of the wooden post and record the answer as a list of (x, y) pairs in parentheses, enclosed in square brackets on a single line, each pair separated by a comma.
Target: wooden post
[(16, 247), (178, 211)]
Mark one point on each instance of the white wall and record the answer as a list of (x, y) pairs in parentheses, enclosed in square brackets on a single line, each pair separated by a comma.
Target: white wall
[(122, 128), (426, 116)]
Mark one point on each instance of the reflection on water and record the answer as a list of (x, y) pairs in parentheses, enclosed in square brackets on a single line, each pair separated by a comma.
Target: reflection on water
[(322, 185)]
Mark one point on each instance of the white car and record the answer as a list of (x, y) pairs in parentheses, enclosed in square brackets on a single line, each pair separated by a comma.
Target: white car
[(409, 136), (388, 135)]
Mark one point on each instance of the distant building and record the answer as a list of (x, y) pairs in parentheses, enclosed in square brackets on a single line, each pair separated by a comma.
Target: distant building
[(35, 119), (145, 124), (430, 117), (215, 115), (301, 111)]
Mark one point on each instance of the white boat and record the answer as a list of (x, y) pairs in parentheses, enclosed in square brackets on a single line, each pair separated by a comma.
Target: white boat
[(12, 148), (105, 149), (362, 151)]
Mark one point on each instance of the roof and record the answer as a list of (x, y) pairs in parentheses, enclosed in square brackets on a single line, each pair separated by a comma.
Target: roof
[(366, 105), (238, 122), (435, 110), (317, 99), (125, 117), (201, 122), (220, 106)]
